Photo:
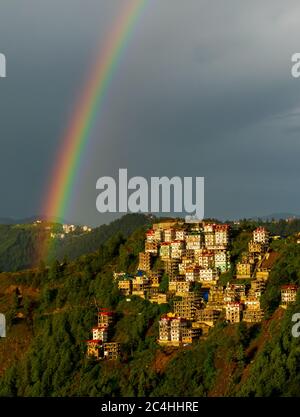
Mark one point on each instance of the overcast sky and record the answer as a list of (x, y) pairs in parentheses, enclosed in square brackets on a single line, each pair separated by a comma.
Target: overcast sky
[(204, 88)]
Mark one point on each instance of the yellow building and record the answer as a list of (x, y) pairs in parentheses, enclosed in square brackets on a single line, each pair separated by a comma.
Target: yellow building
[(288, 294), (145, 261), (94, 349), (233, 312), (125, 286), (111, 350), (244, 270)]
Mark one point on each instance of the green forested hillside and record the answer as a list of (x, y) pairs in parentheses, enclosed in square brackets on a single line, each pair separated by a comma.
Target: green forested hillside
[(57, 310), (19, 244)]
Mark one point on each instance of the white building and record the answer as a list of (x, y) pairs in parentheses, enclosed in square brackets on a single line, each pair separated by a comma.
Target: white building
[(222, 260), (100, 333), (192, 273), (68, 228), (180, 234), (260, 235), (221, 235), (233, 312), (208, 275)]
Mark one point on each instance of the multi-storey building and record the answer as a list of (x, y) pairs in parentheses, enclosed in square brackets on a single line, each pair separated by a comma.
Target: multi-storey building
[(150, 236), (177, 326), (140, 284), (158, 235), (180, 234), (145, 261), (169, 234), (175, 331), (207, 315), (151, 247), (233, 312), (100, 333), (189, 334), (240, 290), (105, 318), (185, 263), (221, 235), (192, 273), (94, 348), (261, 235), (179, 286), (193, 241), (216, 297), (165, 329), (288, 294), (187, 307), (256, 247), (125, 286), (208, 275), (170, 329), (99, 347), (177, 249), (155, 278), (222, 260), (111, 350), (253, 312), (209, 235), (165, 250), (171, 267), (159, 298), (257, 288), (206, 259), (244, 270), (230, 294)]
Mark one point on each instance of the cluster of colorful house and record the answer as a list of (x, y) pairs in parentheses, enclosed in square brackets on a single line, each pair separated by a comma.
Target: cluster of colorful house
[(194, 256), (100, 347)]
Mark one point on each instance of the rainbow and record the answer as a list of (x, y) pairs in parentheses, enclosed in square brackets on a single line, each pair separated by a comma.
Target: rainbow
[(87, 109)]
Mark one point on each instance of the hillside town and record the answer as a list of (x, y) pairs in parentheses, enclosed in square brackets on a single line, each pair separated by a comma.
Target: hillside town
[(182, 265), (58, 231)]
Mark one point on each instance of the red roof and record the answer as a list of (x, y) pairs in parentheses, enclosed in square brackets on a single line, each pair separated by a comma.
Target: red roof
[(100, 328), (105, 313), (222, 226), (289, 287)]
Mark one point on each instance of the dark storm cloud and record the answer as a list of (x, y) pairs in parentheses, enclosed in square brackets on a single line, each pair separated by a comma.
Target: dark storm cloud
[(204, 88)]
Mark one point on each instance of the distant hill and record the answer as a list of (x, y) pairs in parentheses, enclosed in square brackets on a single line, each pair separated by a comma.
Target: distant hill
[(27, 220), (73, 246), (277, 216), (20, 243)]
